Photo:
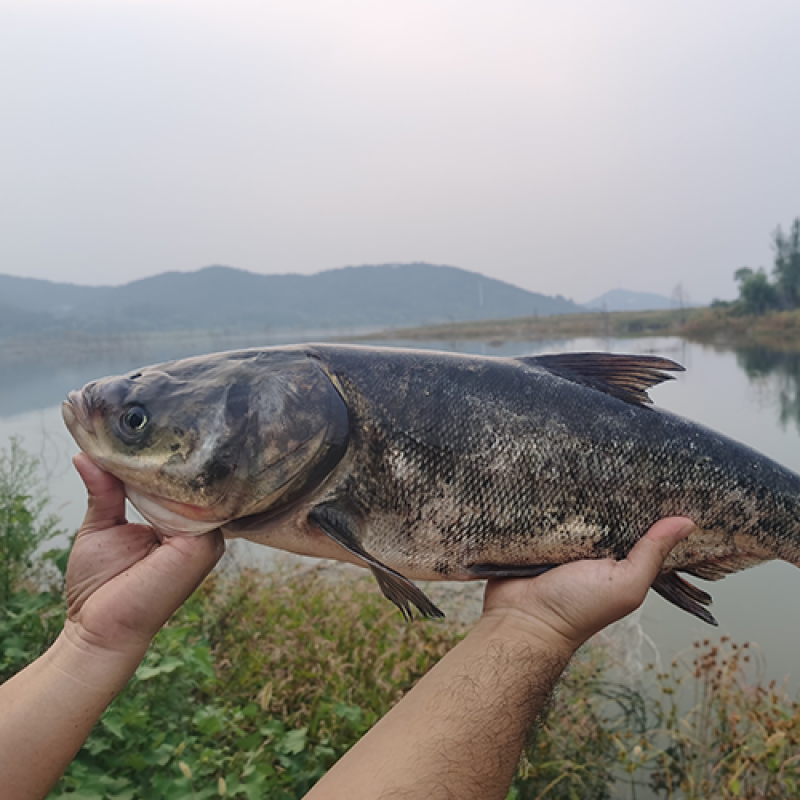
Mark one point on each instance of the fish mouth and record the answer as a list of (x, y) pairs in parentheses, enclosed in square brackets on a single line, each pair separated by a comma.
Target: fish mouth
[(74, 410), (172, 517)]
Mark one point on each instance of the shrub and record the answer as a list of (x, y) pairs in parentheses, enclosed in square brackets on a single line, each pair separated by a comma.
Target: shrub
[(254, 689), (737, 739), (30, 618), (24, 526), (259, 685)]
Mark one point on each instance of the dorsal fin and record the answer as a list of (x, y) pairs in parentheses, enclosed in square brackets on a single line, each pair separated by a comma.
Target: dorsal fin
[(623, 376)]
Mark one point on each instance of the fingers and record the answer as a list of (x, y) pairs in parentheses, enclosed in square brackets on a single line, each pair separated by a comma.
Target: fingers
[(170, 574), (125, 581), (106, 495), (574, 601), (634, 575), (645, 560)]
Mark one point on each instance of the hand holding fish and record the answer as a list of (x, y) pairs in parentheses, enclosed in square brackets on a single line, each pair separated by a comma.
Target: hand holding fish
[(460, 732), (124, 580), (569, 605), (123, 583)]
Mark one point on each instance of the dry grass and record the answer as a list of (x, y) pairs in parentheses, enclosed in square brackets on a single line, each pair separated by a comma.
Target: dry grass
[(719, 326), (301, 645), (563, 326), (776, 329)]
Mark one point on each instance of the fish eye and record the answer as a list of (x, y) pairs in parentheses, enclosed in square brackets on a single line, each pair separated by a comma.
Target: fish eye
[(134, 420)]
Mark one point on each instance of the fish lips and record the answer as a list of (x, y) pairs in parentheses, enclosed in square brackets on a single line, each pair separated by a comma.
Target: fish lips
[(76, 413)]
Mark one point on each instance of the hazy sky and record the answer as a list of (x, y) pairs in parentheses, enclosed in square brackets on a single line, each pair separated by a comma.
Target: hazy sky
[(566, 146)]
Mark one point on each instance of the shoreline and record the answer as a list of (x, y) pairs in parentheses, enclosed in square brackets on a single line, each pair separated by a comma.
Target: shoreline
[(713, 326)]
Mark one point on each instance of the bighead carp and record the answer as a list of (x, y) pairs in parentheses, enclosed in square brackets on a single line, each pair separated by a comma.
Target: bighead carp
[(436, 466)]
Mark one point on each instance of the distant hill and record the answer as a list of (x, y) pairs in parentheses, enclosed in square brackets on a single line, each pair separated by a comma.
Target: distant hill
[(624, 300), (31, 294), (225, 298)]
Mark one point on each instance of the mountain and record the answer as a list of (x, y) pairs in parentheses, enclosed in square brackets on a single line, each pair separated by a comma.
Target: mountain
[(624, 300), (225, 298), (31, 294)]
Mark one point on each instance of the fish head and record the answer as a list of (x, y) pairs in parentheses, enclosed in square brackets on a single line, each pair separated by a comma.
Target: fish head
[(203, 441)]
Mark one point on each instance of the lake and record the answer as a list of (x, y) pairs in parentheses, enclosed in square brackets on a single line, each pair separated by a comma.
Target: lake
[(752, 396)]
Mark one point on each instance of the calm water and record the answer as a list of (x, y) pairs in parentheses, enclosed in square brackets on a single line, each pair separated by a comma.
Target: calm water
[(751, 396)]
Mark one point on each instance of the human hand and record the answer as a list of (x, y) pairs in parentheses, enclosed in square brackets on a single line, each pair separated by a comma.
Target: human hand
[(124, 580), (569, 604)]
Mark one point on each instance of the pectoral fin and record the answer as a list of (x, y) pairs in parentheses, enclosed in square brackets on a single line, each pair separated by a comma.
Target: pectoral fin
[(681, 593), (509, 570), (394, 586)]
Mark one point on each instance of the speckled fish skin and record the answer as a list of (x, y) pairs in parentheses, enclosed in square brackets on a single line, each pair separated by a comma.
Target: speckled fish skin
[(461, 467)]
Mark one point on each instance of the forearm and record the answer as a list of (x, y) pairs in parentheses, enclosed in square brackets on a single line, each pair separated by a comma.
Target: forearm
[(460, 732), (48, 710)]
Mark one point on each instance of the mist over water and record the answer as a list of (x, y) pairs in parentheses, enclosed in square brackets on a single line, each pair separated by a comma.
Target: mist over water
[(751, 395)]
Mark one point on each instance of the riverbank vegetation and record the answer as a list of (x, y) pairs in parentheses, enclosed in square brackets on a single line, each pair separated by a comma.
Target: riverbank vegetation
[(596, 324), (767, 310), (757, 293), (724, 325), (261, 682)]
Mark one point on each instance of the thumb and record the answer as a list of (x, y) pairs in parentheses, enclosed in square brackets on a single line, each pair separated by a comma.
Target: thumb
[(106, 495), (648, 555)]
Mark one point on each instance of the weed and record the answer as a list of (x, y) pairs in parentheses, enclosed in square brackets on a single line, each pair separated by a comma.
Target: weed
[(24, 525), (30, 618), (254, 689), (738, 738)]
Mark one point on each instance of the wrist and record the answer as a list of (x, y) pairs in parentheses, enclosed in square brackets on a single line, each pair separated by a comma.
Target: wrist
[(516, 627), (91, 665)]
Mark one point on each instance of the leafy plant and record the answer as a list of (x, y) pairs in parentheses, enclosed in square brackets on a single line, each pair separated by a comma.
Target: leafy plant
[(29, 618), (24, 525), (29, 623), (254, 689)]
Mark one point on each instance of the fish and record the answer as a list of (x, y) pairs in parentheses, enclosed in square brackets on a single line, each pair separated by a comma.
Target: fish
[(424, 465)]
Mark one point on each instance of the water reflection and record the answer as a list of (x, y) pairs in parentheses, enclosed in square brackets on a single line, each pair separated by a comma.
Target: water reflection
[(776, 375), (40, 379)]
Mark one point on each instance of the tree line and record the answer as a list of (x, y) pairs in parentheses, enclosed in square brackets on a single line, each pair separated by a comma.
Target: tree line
[(757, 292)]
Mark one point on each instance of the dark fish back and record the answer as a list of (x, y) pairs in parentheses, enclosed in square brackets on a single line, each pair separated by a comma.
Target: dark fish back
[(460, 462)]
